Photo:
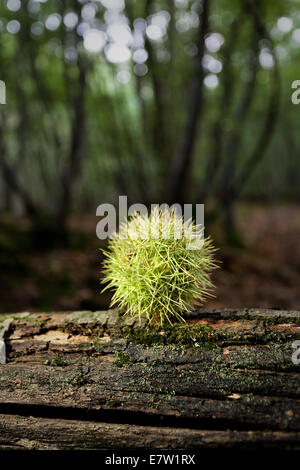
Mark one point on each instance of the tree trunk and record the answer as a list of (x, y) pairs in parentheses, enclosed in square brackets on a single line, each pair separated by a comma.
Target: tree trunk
[(183, 159)]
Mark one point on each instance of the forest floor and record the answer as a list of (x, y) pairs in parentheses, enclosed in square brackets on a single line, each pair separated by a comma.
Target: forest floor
[(265, 273)]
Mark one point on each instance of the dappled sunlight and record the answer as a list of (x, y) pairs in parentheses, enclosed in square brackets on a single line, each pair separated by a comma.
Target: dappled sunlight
[(181, 101), (94, 40)]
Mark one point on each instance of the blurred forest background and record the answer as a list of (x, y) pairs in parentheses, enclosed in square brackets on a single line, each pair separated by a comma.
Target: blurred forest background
[(162, 101)]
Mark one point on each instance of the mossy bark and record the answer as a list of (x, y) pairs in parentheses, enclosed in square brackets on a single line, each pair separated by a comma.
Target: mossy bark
[(224, 379)]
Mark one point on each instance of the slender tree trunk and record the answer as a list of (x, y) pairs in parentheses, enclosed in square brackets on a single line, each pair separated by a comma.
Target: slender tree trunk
[(228, 191), (232, 183), (11, 177), (183, 159), (158, 115), (272, 113), (219, 126), (77, 148)]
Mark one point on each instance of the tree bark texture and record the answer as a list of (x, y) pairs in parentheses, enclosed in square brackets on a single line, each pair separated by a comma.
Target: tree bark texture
[(94, 380)]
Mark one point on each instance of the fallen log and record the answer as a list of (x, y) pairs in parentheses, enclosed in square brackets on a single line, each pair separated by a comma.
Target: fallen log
[(90, 380)]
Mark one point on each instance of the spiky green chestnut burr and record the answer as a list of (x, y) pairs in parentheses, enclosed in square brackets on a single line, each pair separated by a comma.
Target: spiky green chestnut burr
[(154, 271)]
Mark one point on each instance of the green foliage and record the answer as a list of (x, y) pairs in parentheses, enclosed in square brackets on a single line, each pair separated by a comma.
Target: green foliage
[(79, 377), (152, 269), (59, 361), (121, 360), (186, 336), (143, 119)]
